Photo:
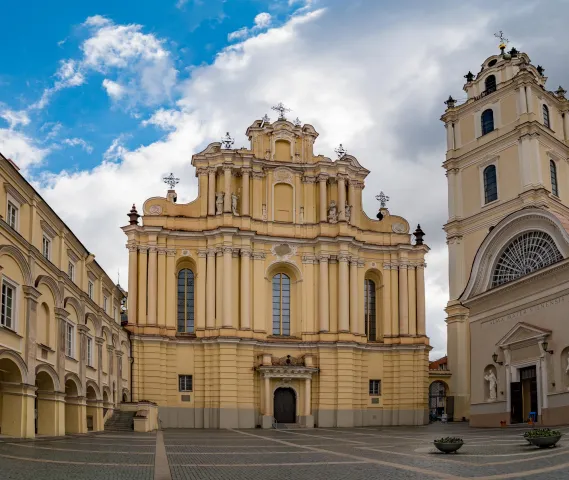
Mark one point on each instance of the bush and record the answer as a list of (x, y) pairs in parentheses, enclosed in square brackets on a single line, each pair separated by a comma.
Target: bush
[(541, 432), (449, 440)]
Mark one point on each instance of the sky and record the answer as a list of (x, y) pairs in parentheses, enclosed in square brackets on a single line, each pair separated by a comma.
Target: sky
[(99, 100)]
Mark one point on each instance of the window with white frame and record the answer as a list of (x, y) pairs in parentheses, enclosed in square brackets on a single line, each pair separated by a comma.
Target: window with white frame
[(90, 289), (185, 383), (69, 337), (12, 215), (105, 303), (8, 309), (71, 271), (46, 247), (89, 351), (375, 387)]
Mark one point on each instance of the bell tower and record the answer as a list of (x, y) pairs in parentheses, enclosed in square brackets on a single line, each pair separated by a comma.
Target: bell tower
[(507, 146)]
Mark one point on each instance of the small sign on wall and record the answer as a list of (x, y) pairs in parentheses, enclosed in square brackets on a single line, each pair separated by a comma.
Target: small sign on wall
[(375, 401), (186, 398)]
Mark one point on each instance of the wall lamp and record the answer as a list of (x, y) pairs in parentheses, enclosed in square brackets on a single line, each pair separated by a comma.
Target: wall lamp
[(495, 359), (544, 345)]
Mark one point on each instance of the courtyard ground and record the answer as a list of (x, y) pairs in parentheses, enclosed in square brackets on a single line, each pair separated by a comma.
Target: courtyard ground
[(318, 454)]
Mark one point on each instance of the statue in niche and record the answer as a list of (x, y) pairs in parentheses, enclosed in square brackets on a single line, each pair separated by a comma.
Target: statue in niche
[(348, 212), (333, 212), (234, 199), (301, 215), (219, 197), (493, 385)]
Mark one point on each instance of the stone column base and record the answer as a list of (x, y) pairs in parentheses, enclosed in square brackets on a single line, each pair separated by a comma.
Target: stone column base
[(266, 421), (306, 421)]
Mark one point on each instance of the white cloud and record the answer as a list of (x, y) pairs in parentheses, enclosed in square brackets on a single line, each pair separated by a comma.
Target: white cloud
[(262, 21), (21, 149), (116, 150), (97, 21), (15, 118), (78, 142), (114, 90)]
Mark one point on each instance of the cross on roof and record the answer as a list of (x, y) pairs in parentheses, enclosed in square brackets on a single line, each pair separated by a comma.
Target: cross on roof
[(340, 151), (503, 40), (171, 180), (382, 198), (227, 142), (281, 109)]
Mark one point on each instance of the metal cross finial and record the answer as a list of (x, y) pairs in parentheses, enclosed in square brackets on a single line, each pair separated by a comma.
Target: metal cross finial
[(382, 198), (266, 119), (281, 109), (297, 122), (340, 151), (227, 142), (500, 35), (171, 180)]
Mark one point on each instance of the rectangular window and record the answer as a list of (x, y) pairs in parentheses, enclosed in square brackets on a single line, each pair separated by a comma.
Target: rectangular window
[(375, 387), (185, 383), (89, 351), (71, 271), (105, 301), (115, 314), (12, 215), (69, 335), (46, 247), (90, 289), (8, 304)]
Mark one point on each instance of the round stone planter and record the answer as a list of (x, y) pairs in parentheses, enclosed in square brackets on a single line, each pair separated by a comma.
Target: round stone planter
[(448, 447), (544, 442)]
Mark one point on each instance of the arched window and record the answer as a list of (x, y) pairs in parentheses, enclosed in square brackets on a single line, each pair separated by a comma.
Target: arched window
[(527, 253), (281, 304), (370, 310), (553, 172), (546, 116), (490, 84), (186, 301), (487, 121), (490, 184)]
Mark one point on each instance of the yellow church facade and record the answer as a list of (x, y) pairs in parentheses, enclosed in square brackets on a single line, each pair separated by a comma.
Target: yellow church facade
[(273, 298)]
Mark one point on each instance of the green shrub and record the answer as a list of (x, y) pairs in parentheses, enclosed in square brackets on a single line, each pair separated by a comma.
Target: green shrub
[(541, 432), (449, 440)]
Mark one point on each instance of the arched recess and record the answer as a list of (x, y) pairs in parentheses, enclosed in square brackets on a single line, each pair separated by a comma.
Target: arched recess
[(515, 224), (186, 294), (53, 286), (94, 386), (49, 370), (20, 259), (97, 323), (490, 370), (373, 280), (115, 341), (296, 297), (438, 391), (45, 326), (564, 359), (76, 305), (7, 373), (72, 378), (125, 397), (107, 395)]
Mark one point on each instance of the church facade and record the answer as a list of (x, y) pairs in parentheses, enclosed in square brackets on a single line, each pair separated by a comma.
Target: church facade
[(508, 241), (272, 297)]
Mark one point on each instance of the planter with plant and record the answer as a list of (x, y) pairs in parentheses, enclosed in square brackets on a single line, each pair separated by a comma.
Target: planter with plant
[(448, 444), (543, 437)]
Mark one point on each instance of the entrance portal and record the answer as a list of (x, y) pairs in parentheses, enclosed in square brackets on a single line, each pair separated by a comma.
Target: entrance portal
[(524, 395), (285, 405)]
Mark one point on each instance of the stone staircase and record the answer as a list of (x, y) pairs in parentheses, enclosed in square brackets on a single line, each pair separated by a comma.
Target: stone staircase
[(120, 422)]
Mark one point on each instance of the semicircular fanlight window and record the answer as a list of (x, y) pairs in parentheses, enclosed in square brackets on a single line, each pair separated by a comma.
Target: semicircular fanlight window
[(527, 253)]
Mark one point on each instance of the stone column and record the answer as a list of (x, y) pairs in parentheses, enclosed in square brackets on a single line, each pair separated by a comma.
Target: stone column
[(227, 186), (403, 301), (210, 297), (152, 284), (322, 179), (245, 289), (307, 399), (354, 295), (99, 341), (259, 316), (412, 300), (142, 267), (324, 294), (342, 196), (171, 320), (31, 296), (268, 409), (352, 200), (257, 194), (218, 286), (83, 330), (227, 287), (132, 282), (201, 291), (386, 299), (394, 299), (161, 288), (61, 320), (421, 299), (343, 293), (211, 191), (203, 190), (245, 201)]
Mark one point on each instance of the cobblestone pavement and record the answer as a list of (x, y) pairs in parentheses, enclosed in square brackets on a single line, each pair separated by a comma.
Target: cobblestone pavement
[(294, 454)]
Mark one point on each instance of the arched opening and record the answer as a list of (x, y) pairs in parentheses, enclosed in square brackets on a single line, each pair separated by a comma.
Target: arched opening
[(283, 296), (553, 174), (285, 405), (124, 398), (490, 84), (186, 290), (487, 120), (43, 325), (106, 401), (370, 310), (45, 405), (437, 399), (94, 418), (490, 184), (75, 419), (546, 120), (12, 404), (281, 304)]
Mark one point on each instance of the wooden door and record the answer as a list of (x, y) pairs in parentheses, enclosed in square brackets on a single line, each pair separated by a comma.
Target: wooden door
[(517, 404), (285, 405)]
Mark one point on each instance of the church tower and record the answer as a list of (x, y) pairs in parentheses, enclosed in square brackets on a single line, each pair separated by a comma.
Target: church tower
[(507, 147)]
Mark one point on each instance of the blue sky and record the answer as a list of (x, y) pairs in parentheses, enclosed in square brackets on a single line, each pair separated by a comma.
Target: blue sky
[(98, 100)]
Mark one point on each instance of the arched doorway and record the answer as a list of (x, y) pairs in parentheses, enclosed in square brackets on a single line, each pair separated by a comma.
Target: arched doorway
[(12, 403), (75, 415), (45, 414), (285, 405), (124, 398), (437, 399)]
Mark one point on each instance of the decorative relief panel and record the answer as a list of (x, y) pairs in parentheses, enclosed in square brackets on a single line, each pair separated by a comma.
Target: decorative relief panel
[(399, 228), (155, 210), (283, 251), (283, 175), (186, 253)]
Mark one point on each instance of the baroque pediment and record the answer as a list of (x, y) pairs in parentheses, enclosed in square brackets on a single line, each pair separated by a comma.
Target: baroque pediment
[(523, 333)]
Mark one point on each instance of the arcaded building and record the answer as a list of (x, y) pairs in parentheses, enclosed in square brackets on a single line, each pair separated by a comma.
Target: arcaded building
[(64, 357), (508, 241), (273, 297)]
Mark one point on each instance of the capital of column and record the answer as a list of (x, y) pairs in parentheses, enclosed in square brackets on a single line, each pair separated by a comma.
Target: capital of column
[(246, 170), (211, 252), (161, 251), (227, 167), (422, 265), (354, 261), (361, 263), (202, 171), (357, 184), (171, 252), (152, 249), (110, 348), (258, 255), (30, 293), (343, 257), (119, 353), (132, 247), (309, 259), (202, 253), (61, 313), (388, 266), (143, 248), (219, 251), (99, 340), (404, 266), (245, 252), (323, 258), (211, 170), (235, 253), (308, 179), (82, 329), (227, 249), (342, 176), (258, 175), (323, 177)]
